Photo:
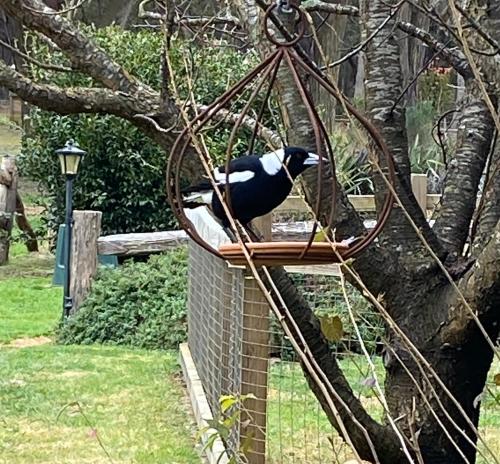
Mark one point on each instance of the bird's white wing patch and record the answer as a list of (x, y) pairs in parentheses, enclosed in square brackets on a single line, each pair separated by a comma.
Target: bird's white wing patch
[(238, 176), (203, 198), (273, 162)]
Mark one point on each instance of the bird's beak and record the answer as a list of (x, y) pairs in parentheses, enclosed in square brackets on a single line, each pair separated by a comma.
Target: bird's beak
[(311, 160)]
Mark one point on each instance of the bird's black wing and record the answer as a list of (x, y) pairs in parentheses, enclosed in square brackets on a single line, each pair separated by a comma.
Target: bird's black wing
[(245, 163)]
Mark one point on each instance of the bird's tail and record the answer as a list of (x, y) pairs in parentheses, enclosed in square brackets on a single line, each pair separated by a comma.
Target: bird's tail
[(199, 195)]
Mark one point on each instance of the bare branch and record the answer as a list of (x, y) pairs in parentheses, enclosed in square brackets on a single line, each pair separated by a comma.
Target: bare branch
[(335, 8), (266, 134), (50, 12), (464, 172), (82, 52), (72, 100), (50, 67), (454, 56)]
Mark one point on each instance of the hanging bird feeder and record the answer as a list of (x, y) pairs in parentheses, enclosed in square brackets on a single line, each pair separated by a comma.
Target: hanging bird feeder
[(259, 83)]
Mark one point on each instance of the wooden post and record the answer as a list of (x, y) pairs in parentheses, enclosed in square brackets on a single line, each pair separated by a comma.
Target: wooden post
[(419, 187), (86, 231), (8, 188), (255, 355), (265, 226)]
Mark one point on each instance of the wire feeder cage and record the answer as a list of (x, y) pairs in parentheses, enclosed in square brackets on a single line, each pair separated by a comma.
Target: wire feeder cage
[(285, 54)]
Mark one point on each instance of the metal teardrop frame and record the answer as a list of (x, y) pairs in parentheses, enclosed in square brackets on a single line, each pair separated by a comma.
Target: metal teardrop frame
[(267, 71)]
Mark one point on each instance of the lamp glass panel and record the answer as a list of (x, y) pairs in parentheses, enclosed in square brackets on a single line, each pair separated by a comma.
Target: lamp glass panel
[(69, 163)]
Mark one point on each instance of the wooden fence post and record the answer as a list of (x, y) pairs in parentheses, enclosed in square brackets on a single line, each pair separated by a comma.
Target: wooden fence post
[(419, 187), (265, 226), (86, 231), (8, 188), (255, 358)]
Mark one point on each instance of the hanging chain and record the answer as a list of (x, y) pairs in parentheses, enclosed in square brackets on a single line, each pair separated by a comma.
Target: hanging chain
[(284, 6)]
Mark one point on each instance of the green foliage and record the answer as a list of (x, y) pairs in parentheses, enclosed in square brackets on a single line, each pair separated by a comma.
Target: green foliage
[(138, 304), (352, 170), (425, 154), (123, 172), (227, 420)]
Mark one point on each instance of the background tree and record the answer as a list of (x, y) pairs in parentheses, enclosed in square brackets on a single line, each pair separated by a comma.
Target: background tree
[(437, 288)]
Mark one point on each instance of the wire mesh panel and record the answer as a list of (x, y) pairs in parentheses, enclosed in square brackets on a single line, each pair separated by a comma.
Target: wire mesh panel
[(238, 347)]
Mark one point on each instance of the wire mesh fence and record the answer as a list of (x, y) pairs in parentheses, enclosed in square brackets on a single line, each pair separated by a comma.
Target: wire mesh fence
[(239, 348)]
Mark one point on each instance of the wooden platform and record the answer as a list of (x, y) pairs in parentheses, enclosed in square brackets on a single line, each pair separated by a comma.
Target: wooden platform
[(284, 253)]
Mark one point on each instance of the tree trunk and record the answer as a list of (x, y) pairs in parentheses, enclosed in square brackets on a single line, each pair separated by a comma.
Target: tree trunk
[(7, 205), (23, 224), (463, 369)]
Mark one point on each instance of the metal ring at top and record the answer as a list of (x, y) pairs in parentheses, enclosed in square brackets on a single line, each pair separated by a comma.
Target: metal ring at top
[(300, 34)]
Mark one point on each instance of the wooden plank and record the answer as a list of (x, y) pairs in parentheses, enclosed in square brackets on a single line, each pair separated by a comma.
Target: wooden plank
[(255, 354), (419, 187), (363, 203), (8, 189), (86, 231), (138, 244)]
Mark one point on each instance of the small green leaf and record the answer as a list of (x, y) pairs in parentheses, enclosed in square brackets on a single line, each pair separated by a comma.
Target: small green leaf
[(496, 379), (226, 402), (332, 328)]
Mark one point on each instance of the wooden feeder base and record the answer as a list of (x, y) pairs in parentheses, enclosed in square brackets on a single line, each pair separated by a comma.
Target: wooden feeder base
[(284, 253)]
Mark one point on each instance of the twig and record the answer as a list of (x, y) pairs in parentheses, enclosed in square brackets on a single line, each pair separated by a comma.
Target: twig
[(419, 73), (50, 67), (54, 12), (363, 44)]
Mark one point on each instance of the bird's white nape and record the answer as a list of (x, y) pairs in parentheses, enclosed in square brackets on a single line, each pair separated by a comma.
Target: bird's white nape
[(272, 162), (237, 176)]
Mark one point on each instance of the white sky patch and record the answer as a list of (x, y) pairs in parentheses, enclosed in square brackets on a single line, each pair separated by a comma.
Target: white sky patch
[(273, 162), (239, 176)]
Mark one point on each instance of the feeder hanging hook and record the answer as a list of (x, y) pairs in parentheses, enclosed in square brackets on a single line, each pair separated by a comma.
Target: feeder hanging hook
[(285, 6)]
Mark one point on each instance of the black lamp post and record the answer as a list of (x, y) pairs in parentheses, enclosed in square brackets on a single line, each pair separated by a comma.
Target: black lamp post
[(70, 157)]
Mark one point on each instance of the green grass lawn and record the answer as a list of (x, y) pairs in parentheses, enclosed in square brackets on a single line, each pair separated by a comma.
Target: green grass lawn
[(60, 403), (72, 404), (299, 432)]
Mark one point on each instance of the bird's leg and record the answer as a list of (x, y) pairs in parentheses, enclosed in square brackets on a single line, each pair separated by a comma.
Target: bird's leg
[(230, 234), (253, 234)]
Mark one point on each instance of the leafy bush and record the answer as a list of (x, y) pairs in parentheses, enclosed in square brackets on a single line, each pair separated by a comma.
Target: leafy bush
[(123, 174), (138, 304)]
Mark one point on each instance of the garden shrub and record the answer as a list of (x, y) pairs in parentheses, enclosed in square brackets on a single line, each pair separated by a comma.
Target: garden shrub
[(137, 304)]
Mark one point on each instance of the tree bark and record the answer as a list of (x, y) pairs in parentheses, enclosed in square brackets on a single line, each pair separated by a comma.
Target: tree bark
[(7, 205), (23, 224)]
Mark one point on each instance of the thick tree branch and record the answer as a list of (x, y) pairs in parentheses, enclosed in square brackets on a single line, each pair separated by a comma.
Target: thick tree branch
[(73, 100), (465, 168), (453, 55), (335, 8), (481, 289), (383, 87), (489, 215), (82, 52), (386, 444)]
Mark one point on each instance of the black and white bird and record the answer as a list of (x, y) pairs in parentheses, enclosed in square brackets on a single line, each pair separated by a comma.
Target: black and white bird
[(257, 184)]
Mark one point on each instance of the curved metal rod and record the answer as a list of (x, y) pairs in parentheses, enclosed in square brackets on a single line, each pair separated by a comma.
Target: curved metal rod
[(177, 156), (230, 144), (294, 40), (379, 142), (271, 65), (319, 145)]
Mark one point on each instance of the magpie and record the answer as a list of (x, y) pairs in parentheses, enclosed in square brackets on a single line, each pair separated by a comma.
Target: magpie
[(257, 184)]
